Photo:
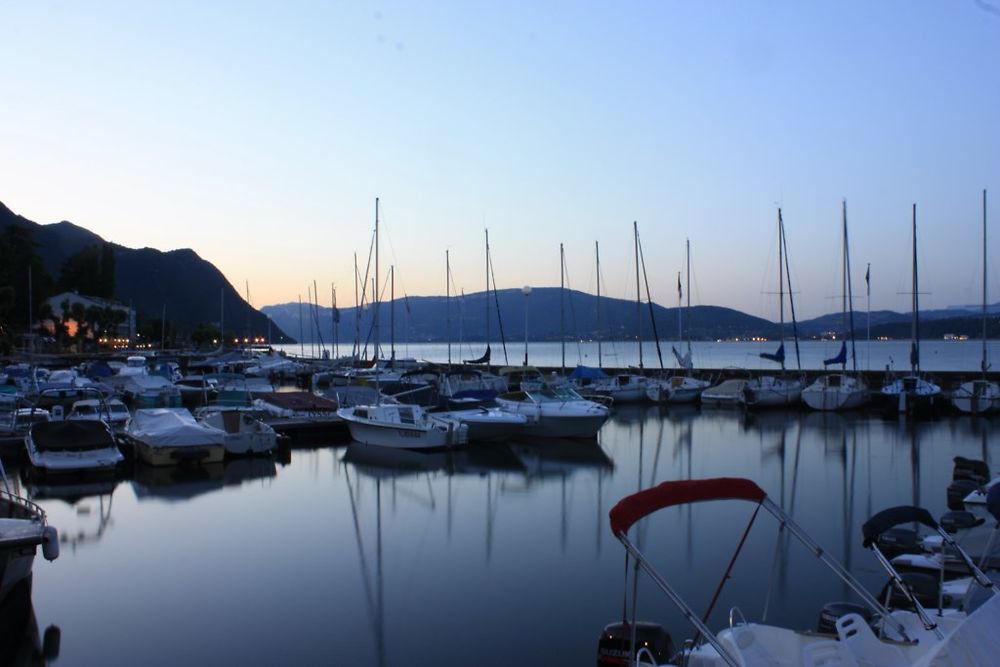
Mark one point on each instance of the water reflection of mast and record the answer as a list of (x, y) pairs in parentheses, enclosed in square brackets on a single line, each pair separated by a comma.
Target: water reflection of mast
[(375, 604)]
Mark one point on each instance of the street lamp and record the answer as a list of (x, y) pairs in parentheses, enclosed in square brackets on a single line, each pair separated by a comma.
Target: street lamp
[(526, 290)]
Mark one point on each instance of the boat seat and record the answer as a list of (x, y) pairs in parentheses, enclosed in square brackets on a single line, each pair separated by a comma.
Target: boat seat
[(752, 643), (857, 636), (828, 653)]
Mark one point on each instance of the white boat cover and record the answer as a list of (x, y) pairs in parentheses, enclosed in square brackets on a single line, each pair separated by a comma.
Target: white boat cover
[(172, 427), (974, 643)]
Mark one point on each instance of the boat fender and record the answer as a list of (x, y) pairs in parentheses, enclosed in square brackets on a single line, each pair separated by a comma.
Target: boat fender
[(50, 543), (50, 642)]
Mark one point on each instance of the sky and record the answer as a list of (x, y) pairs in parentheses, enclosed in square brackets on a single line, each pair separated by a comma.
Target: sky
[(259, 134)]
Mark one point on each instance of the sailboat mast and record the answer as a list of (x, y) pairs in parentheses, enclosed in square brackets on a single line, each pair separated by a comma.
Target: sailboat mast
[(849, 295), (487, 293), (357, 312), (687, 285), (983, 364), (597, 253), (638, 293), (781, 287), (562, 306), (791, 299), (375, 298), (915, 326), (392, 312), (447, 301)]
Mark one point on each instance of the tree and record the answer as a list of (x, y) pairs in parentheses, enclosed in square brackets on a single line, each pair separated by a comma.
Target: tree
[(19, 265), (107, 273), (81, 272)]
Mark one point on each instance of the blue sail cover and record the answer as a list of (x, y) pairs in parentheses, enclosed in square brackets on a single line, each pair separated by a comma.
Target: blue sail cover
[(485, 359), (778, 356), (841, 357)]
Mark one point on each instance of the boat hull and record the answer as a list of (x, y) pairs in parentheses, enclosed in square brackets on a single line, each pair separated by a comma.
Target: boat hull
[(169, 455), (976, 397), (832, 393)]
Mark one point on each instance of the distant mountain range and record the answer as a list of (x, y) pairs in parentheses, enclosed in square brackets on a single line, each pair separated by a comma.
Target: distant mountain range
[(191, 289), (426, 319)]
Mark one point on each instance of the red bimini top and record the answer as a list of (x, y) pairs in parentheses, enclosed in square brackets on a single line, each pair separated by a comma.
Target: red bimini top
[(632, 508)]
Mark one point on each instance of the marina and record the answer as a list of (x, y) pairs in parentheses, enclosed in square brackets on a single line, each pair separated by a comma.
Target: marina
[(362, 552)]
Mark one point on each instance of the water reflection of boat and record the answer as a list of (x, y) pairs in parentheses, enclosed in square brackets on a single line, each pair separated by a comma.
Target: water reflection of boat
[(20, 642), (390, 462), (561, 457), (180, 483)]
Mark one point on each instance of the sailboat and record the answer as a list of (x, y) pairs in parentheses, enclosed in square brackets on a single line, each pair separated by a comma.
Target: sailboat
[(627, 387), (394, 425), (911, 393), (680, 388), (840, 391), (773, 390), (982, 395)]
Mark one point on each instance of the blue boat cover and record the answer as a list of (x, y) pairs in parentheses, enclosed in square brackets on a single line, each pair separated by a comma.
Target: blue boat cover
[(587, 373), (894, 516)]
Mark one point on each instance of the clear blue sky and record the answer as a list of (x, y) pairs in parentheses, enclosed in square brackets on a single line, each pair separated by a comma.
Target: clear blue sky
[(259, 134)]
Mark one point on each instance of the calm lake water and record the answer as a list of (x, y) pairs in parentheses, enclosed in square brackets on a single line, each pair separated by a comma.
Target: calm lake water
[(337, 554), (935, 355)]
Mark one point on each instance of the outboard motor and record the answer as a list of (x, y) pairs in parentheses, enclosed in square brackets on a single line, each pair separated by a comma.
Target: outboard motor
[(613, 648), (971, 469), (926, 588), (955, 521), (895, 541), (958, 490), (832, 611)]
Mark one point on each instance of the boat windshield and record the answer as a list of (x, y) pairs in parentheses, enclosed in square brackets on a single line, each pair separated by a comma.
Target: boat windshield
[(555, 393)]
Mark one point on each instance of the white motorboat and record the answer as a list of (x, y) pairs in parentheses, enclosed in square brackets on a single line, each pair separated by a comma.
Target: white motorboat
[(899, 637), (169, 436), (112, 412), (23, 528), (402, 426), (245, 433), (72, 447), (622, 388), (979, 396), (556, 412), (299, 412), (488, 424), (728, 393), (677, 389)]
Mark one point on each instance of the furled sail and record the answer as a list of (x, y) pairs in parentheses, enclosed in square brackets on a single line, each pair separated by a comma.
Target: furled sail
[(485, 359), (778, 355), (683, 361), (841, 357)]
